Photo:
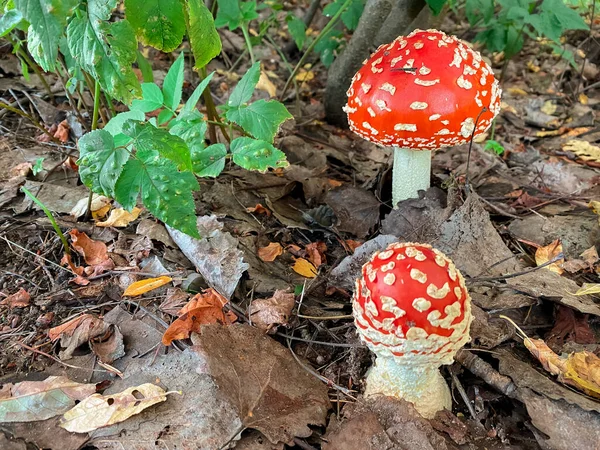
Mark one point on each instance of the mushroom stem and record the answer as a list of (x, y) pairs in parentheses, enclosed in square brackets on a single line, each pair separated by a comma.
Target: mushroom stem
[(411, 173), (420, 384)]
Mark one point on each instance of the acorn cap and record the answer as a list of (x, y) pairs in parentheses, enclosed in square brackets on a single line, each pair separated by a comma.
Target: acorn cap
[(422, 92)]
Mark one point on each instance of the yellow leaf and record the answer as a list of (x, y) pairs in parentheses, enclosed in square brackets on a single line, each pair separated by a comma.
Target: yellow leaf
[(120, 218), (304, 268), (305, 75), (583, 99), (557, 132), (594, 205), (100, 213), (582, 370), (549, 107), (531, 66), (549, 252), (588, 288), (98, 411), (265, 84), (583, 149), (517, 92), (143, 286)]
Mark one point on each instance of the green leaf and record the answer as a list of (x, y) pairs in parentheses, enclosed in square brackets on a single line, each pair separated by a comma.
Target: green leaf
[(145, 67), (166, 192), (115, 125), (351, 16), (191, 103), (204, 39), (192, 129), (261, 119), (228, 14), (149, 140), (158, 23), (9, 21), (164, 116), (495, 146), (245, 87), (105, 49), (173, 84), (38, 166), (297, 30), (474, 9), (152, 99), (100, 163), (567, 18), (47, 19), (209, 161), (327, 46), (248, 11), (253, 154), (436, 6)]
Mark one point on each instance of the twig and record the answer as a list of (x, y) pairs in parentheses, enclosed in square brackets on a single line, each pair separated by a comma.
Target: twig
[(331, 344), (486, 372), (47, 355), (518, 274)]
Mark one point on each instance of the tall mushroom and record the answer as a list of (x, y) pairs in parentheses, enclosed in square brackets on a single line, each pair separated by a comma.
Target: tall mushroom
[(419, 93), (412, 309)]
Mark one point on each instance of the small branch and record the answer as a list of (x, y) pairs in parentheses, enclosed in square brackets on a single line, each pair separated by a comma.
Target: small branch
[(28, 117)]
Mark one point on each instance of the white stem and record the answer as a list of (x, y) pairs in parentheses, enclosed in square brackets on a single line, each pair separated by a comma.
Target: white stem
[(411, 173), (422, 385)]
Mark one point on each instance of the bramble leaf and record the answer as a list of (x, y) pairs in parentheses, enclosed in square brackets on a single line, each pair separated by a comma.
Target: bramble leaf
[(191, 128), (152, 99), (209, 161), (173, 84), (204, 39), (100, 163), (436, 6), (166, 192), (297, 30), (151, 142), (245, 87), (191, 103), (105, 49), (229, 13), (158, 23), (47, 19), (9, 21), (261, 119), (252, 154), (115, 125)]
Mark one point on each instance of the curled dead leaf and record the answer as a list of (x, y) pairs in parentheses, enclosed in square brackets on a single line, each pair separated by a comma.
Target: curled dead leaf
[(147, 285), (316, 253), (19, 299), (270, 252), (265, 84), (94, 252), (548, 253), (258, 209), (305, 268), (120, 218), (267, 313)]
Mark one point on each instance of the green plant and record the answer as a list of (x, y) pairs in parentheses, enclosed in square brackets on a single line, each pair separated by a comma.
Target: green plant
[(159, 159), (494, 146)]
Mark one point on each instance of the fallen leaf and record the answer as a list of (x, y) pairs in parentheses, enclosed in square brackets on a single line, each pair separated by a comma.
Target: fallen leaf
[(40, 400), (352, 245), (20, 170), (202, 309), (549, 107), (94, 252), (268, 313), (19, 299), (588, 288), (583, 99), (549, 252), (259, 209), (62, 131), (583, 149), (571, 325), (270, 252), (120, 218), (582, 370), (265, 84), (517, 92), (305, 75), (174, 301), (316, 253), (304, 268), (100, 206), (77, 270), (98, 411), (147, 285)]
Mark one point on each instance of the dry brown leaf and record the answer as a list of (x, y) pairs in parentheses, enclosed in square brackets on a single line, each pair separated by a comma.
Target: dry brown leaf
[(120, 218), (265, 84), (305, 268), (259, 209), (174, 301), (203, 309), (270, 252), (544, 354), (19, 299), (20, 170), (98, 411), (316, 253), (549, 252), (62, 131), (77, 270), (352, 245), (147, 285), (268, 313), (94, 252), (30, 401)]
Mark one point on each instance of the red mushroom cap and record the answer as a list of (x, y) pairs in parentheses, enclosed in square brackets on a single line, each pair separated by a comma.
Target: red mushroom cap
[(412, 302), (423, 91)]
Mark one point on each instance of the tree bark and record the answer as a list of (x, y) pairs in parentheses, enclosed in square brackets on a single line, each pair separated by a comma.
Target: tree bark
[(399, 20)]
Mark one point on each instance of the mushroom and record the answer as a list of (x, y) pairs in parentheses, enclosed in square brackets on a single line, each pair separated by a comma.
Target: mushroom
[(419, 93), (412, 309)]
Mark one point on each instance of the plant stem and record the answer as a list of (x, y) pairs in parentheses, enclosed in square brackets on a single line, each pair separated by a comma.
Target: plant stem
[(244, 28), (28, 117), (23, 54), (315, 41), (213, 114), (88, 212)]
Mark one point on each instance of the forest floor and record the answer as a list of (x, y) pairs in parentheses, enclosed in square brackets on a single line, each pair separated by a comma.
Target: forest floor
[(290, 372)]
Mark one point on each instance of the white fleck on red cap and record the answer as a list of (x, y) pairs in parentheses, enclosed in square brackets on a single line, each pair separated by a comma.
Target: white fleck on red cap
[(412, 302), (422, 92)]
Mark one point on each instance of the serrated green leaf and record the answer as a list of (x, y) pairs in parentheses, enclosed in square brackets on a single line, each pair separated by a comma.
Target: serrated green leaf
[(228, 14), (204, 39), (173, 84), (47, 20), (209, 161), (327, 46), (166, 192), (158, 23), (105, 49), (297, 29), (567, 18), (150, 142), (152, 99), (436, 6), (253, 154), (261, 119), (115, 125), (164, 116), (351, 16), (100, 163), (191, 103), (9, 21), (245, 87), (248, 11), (38, 166), (192, 130)]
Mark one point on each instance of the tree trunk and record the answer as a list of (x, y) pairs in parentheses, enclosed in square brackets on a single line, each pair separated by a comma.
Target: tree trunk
[(399, 20)]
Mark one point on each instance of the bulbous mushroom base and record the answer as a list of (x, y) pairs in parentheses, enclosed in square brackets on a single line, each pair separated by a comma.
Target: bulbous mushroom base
[(422, 385)]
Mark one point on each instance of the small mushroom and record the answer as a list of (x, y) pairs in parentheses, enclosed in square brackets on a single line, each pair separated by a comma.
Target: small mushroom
[(412, 309), (419, 93)]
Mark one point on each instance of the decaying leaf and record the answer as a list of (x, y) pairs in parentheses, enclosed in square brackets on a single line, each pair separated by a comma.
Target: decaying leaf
[(583, 149), (120, 218), (40, 400), (98, 411), (259, 209), (265, 84), (77, 270), (268, 313), (19, 299), (174, 301), (588, 288), (100, 206), (204, 308), (316, 253), (305, 268), (270, 252), (94, 252), (548, 253), (147, 285)]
